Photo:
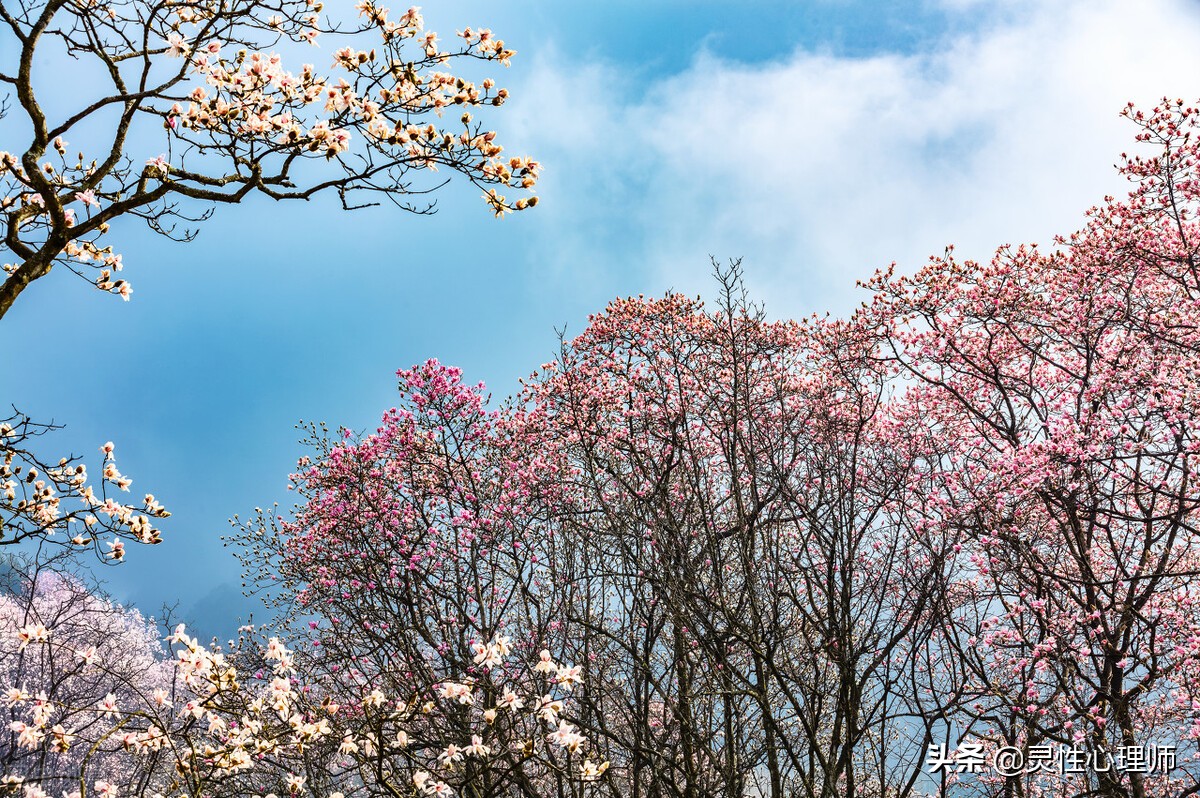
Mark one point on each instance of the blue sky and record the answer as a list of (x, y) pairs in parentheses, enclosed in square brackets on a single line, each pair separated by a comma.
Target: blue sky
[(819, 141)]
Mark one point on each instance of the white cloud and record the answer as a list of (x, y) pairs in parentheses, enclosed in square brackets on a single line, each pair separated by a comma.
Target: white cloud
[(819, 169)]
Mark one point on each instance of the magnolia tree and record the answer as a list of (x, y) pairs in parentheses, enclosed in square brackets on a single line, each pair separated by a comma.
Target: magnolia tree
[(95, 705), (1055, 405), (65, 652), (667, 505), (800, 559), (727, 507), (187, 104), (412, 552)]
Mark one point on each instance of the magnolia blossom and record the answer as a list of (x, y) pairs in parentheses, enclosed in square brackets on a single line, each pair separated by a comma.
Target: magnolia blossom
[(177, 46), (510, 700), (158, 165), (477, 747), (450, 756), (568, 677), (33, 633), (566, 737), (545, 663), (590, 771), (457, 692)]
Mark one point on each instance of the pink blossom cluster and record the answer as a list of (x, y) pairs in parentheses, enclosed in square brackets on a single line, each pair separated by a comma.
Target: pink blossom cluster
[(788, 551)]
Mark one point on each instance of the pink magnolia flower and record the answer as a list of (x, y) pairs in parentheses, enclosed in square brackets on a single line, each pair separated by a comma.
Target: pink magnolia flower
[(177, 46)]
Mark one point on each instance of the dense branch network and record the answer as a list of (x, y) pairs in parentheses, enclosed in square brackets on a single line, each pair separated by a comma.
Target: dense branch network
[(796, 557)]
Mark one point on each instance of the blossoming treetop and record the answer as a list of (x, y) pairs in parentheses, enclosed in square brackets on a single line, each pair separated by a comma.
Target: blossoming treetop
[(195, 99)]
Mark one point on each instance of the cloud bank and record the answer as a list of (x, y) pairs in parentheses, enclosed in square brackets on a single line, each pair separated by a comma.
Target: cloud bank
[(819, 168)]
